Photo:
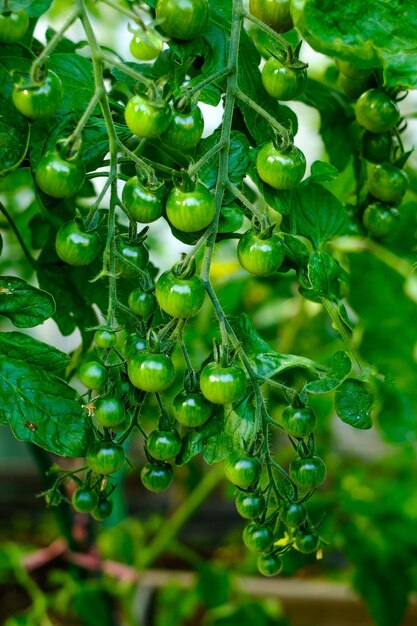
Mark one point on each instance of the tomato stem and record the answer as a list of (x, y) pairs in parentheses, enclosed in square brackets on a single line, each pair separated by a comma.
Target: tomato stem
[(125, 11)]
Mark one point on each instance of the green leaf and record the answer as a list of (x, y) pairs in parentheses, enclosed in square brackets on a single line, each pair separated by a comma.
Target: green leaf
[(20, 347), (240, 423), (42, 409), (210, 437), (322, 172), (325, 275), (238, 159), (376, 34), (341, 367), (14, 136), (76, 74), (24, 305), (353, 403), (35, 8)]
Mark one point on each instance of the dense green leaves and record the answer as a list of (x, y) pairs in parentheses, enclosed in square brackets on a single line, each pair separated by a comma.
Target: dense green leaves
[(20, 347), (353, 403), (14, 137), (24, 305)]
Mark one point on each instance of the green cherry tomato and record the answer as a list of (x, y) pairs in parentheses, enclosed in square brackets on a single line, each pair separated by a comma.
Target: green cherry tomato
[(145, 205), (105, 457), (293, 514), (257, 538), (281, 169), (157, 478), (58, 177), (13, 26), (222, 385), (283, 82), (84, 500), (376, 111), (40, 101), (75, 246), (353, 88), (164, 444), (242, 470), (105, 338), (376, 148), (109, 412), (380, 220), (147, 119), (191, 409), (185, 130), (269, 564), (351, 71), (183, 19), (250, 505), (179, 297), (260, 256), (103, 510), (145, 45), (387, 183), (92, 374), (142, 303), (306, 542), (274, 13), (151, 372), (299, 422), (133, 344), (130, 256), (191, 211), (308, 473)]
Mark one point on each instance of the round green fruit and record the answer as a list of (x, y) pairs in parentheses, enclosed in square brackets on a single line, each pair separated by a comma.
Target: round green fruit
[(222, 385)]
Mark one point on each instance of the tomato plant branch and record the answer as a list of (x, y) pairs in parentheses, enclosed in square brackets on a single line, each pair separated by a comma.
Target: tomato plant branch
[(136, 159), (193, 169), (18, 236), (261, 215), (261, 111), (207, 81), (267, 29), (141, 78), (97, 96), (54, 41), (123, 10)]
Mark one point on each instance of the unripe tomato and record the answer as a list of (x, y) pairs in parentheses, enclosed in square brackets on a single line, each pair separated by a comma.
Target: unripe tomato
[(179, 297), (157, 478), (103, 510), (133, 344), (13, 26), (84, 500), (191, 409), (269, 564), (293, 514), (42, 100), (222, 385), (387, 183), (307, 542), (257, 538), (281, 169), (274, 13), (58, 177), (309, 472), (299, 422), (351, 71), (183, 19), (353, 88), (281, 81), (260, 256), (142, 303), (105, 457), (109, 412), (376, 112), (143, 205), (150, 372), (381, 221), (191, 211), (242, 470), (145, 118), (185, 129), (164, 444), (250, 505), (145, 45), (105, 338), (92, 374), (76, 246), (376, 148), (130, 256)]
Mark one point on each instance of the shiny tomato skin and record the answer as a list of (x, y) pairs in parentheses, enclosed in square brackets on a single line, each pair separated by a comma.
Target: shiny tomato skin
[(105, 338), (13, 26), (191, 409), (58, 177), (269, 564), (103, 510), (257, 538), (376, 111), (387, 183), (92, 375), (183, 19), (42, 101), (250, 505), (147, 119), (308, 473), (130, 256), (143, 204), (84, 500), (299, 421), (281, 169), (380, 220), (293, 514), (105, 457), (260, 256), (133, 344), (75, 246), (109, 412), (307, 541), (145, 46), (163, 444), (157, 477), (185, 130), (376, 148), (150, 372), (282, 82), (274, 13), (142, 303), (179, 297), (191, 211), (222, 385), (242, 470)]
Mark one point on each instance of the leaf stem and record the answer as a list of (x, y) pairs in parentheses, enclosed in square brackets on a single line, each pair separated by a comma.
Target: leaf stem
[(54, 41), (18, 236), (261, 111)]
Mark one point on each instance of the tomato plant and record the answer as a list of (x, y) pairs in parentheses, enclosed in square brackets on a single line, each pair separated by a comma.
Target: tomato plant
[(127, 232)]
